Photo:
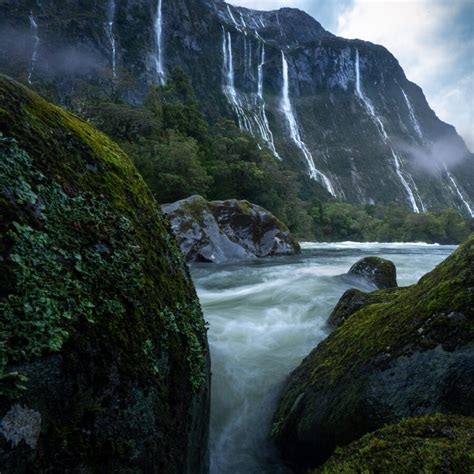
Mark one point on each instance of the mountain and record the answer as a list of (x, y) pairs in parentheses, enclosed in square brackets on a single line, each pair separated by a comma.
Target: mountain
[(340, 110)]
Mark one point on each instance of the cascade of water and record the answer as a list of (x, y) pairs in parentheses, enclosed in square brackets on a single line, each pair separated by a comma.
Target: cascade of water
[(110, 34), (412, 115), (397, 161), (287, 109), (34, 56), (243, 22), (234, 21), (160, 72), (229, 83), (457, 191), (266, 132)]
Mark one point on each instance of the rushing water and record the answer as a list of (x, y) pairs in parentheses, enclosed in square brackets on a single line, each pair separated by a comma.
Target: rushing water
[(265, 316)]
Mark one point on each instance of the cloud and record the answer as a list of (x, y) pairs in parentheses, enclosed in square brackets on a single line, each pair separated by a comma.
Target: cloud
[(432, 42)]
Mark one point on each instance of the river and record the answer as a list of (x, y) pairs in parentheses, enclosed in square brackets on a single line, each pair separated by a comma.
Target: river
[(265, 316)]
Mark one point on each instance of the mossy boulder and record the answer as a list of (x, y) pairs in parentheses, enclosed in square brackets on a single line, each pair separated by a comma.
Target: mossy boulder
[(381, 272), (223, 231), (353, 300), (426, 444), (104, 362), (410, 355)]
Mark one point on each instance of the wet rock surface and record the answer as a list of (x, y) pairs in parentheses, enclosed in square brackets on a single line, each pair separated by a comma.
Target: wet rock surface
[(224, 231)]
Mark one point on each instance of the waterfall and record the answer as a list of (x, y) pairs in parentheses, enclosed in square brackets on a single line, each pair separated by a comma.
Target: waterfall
[(229, 83), (159, 45), (266, 132), (457, 191), (34, 56), (110, 34), (234, 21), (287, 109), (412, 115), (249, 108), (397, 161)]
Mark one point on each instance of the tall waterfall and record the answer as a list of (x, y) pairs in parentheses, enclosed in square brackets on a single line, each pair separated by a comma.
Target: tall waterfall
[(397, 161), (455, 189), (287, 109), (229, 82), (412, 115), (265, 131), (248, 107), (34, 55), (110, 34), (159, 45)]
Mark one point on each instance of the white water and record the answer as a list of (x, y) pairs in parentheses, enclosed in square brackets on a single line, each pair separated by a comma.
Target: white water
[(455, 189), (412, 115), (160, 72), (265, 316), (397, 161), (231, 16), (249, 108), (34, 55), (266, 132), (110, 34), (287, 109)]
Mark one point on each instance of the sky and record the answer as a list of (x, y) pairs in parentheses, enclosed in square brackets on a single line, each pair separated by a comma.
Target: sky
[(432, 39)]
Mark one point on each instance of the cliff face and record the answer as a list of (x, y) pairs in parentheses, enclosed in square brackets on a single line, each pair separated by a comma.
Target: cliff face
[(104, 362), (341, 110)]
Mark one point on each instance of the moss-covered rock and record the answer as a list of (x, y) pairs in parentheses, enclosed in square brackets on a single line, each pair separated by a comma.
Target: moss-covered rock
[(379, 271), (353, 300), (412, 354), (426, 444), (222, 231), (104, 363)]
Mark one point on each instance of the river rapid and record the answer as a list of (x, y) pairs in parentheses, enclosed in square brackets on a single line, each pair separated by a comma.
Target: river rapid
[(265, 316)]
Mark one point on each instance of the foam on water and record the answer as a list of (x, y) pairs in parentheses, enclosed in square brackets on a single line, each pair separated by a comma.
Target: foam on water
[(265, 316)]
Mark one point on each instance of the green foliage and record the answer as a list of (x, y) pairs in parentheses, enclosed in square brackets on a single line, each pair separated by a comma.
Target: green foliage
[(425, 444), (179, 155), (336, 221)]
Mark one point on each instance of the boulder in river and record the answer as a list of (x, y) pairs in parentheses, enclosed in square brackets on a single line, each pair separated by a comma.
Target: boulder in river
[(104, 362), (379, 271), (410, 355), (223, 231)]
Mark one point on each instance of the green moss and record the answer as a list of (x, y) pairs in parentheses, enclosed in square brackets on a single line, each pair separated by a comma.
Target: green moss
[(82, 236), (425, 444)]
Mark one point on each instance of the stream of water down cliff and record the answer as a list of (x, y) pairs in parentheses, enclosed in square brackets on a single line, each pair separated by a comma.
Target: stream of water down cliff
[(264, 317)]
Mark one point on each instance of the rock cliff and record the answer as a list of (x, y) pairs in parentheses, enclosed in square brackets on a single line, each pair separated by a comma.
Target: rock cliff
[(340, 110)]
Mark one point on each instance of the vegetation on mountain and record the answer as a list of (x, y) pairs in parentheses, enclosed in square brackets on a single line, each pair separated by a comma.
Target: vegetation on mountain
[(179, 154)]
